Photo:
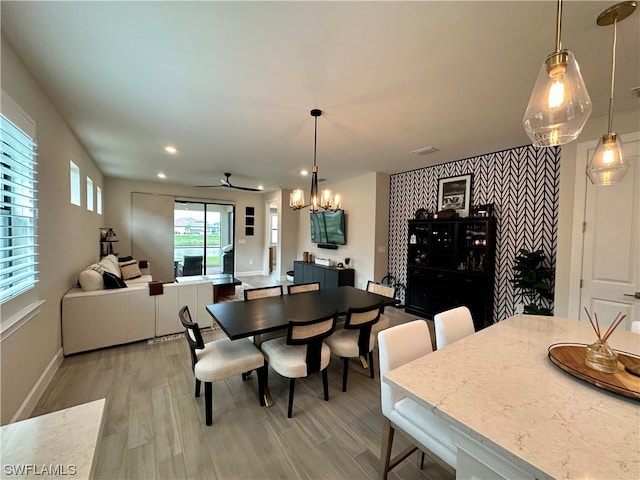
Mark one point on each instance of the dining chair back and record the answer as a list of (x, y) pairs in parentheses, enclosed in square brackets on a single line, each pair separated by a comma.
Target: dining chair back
[(356, 339), (381, 289), (452, 325), (219, 360), (399, 345), (303, 287), (386, 291), (263, 292), (192, 265), (302, 352)]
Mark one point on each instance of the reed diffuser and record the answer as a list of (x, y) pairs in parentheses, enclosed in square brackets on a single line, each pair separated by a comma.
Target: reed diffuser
[(600, 356)]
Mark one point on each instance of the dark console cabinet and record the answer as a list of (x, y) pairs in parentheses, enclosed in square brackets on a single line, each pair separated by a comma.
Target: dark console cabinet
[(329, 277), (450, 262)]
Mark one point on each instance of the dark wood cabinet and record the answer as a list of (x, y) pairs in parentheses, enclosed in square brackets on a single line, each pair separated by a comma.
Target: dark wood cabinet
[(329, 277), (451, 263)]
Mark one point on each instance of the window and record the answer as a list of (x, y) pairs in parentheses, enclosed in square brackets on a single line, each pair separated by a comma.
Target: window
[(18, 212), (74, 172), (89, 194), (98, 200), (274, 228)]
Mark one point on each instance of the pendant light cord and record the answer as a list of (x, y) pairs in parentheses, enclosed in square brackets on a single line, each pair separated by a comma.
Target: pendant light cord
[(559, 27), (315, 140), (613, 71)]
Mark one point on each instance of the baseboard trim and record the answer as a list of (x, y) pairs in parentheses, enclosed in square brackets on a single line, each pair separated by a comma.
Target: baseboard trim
[(38, 389)]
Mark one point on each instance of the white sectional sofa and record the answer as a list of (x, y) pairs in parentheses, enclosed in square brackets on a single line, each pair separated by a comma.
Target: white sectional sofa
[(100, 318)]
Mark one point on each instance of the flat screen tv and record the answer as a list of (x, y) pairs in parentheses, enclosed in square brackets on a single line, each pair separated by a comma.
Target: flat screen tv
[(328, 227)]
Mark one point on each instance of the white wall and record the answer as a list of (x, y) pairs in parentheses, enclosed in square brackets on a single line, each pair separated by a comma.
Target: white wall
[(249, 250), (593, 130), (366, 224), (68, 238)]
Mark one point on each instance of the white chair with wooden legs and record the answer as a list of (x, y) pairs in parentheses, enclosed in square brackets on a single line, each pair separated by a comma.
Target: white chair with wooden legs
[(219, 360), (356, 339), (386, 291), (301, 353), (452, 325), (429, 433), (303, 287)]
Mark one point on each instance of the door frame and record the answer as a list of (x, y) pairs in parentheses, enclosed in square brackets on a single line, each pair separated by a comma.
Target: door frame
[(579, 205)]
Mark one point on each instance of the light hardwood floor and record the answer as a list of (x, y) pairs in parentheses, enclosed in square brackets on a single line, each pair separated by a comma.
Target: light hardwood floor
[(154, 426)]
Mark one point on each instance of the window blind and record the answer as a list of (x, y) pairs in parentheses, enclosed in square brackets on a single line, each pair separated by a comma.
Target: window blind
[(18, 211)]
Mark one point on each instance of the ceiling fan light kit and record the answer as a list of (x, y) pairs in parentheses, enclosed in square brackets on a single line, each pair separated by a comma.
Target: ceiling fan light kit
[(326, 200), (609, 164), (559, 105)]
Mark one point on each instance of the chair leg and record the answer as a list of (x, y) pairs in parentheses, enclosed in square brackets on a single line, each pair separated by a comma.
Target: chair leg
[(345, 373), (208, 402), (385, 451), (386, 462), (371, 363), (262, 380), (198, 387), (325, 384), (292, 386)]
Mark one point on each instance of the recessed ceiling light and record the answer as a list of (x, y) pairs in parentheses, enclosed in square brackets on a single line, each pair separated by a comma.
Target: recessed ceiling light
[(170, 149), (161, 175), (260, 187), (424, 150), (304, 173)]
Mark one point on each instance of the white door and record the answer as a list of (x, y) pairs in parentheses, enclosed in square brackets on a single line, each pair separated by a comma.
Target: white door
[(611, 243)]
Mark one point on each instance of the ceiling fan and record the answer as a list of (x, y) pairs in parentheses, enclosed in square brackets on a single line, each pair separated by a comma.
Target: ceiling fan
[(224, 182)]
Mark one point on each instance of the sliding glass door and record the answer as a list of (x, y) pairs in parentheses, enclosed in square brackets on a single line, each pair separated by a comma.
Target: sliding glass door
[(203, 238)]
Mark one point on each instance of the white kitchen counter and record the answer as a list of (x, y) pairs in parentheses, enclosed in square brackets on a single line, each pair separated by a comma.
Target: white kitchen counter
[(515, 413), (60, 444)]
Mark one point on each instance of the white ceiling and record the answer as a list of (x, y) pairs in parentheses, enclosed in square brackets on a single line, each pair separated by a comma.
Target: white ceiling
[(231, 84)]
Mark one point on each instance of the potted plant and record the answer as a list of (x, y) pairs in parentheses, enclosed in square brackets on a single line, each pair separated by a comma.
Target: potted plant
[(533, 282)]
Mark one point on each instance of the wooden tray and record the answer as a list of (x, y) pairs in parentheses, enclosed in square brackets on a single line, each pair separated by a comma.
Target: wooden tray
[(570, 358)]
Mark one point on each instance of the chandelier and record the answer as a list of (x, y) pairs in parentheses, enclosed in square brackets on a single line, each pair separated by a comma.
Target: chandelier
[(326, 200)]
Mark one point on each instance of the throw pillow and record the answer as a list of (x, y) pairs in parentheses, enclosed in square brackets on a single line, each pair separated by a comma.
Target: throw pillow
[(109, 266), (112, 281), (90, 279), (130, 270)]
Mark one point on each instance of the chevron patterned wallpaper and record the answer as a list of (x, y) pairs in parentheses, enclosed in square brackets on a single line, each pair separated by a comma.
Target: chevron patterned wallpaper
[(522, 183)]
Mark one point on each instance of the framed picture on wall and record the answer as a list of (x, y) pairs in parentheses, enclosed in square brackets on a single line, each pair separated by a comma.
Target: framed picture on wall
[(455, 193)]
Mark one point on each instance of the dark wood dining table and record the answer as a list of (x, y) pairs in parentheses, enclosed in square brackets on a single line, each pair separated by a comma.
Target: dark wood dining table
[(256, 317)]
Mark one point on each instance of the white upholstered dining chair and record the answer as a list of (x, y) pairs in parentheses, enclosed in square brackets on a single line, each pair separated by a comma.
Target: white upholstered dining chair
[(264, 292), (635, 326), (386, 291), (452, 325), (219, 360), (429, 433), (303, 287), (301, 353), (355, 339)]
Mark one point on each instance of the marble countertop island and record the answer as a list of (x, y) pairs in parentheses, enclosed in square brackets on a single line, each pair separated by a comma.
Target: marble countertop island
[(60, 444), (499, 388)]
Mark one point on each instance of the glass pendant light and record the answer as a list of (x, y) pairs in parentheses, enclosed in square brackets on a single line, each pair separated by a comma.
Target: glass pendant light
[(609, 164), (559, 105), (326, 200)]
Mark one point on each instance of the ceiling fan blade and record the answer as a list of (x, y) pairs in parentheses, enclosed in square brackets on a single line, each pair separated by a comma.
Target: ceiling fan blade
[(247, 189)]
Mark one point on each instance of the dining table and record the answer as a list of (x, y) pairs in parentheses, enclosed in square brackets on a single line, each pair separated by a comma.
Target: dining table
[(514, 413), (256, 317)]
